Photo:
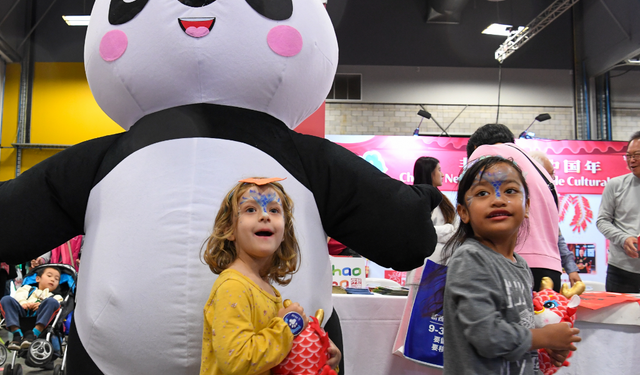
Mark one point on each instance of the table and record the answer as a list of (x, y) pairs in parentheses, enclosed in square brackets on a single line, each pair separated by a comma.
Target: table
[(610, 341), (369, 328), (610, 338)]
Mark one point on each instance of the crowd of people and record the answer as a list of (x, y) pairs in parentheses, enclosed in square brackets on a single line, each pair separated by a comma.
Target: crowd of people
[(504, 195)]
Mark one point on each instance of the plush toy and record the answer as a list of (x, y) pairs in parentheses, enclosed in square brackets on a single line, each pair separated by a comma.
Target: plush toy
[(309, 353), (553, 307), (208, 92)]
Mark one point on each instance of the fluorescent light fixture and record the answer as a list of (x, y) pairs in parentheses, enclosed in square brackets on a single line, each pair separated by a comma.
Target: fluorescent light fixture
[(76, 20), (501, 29)]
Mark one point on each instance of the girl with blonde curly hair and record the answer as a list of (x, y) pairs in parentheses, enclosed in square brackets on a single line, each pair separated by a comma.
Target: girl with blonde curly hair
[(252, 245)]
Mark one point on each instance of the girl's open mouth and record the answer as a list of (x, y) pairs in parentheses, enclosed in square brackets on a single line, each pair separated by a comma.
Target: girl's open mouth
[(498, 214)]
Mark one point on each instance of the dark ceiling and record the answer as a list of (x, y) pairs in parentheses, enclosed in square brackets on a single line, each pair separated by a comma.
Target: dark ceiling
[(370, 32), (387, 32)]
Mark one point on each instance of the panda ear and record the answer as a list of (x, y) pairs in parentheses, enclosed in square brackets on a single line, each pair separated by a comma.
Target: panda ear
[(277, 10), (121, 11)]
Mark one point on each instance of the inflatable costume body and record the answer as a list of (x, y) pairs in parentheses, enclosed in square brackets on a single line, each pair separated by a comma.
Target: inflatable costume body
[(208, 93)]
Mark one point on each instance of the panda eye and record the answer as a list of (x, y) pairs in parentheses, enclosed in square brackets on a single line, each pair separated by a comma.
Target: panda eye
[(122, 11), (277, 10)]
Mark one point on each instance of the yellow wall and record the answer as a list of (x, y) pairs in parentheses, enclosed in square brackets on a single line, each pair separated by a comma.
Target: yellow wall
[(63, 111), (9, 121)]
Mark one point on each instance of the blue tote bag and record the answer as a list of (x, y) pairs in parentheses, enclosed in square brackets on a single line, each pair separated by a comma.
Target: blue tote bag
[(424, 341)]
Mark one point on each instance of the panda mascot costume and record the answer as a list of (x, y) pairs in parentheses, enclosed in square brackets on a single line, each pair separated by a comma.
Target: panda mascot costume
[(208, 91)]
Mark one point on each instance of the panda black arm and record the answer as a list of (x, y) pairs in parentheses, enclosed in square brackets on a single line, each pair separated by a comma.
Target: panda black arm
[(379, 217), (45, 206)]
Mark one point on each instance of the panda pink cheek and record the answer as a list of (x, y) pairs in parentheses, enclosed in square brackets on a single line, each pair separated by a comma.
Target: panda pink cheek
[(113, 45), (285, 41)]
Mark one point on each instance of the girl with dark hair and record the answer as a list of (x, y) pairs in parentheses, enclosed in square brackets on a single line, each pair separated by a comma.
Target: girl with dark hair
[(488, 309), (540, 251), (426, 170)]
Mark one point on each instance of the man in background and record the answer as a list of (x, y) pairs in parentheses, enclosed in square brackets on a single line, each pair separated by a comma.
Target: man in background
[(619, 222)]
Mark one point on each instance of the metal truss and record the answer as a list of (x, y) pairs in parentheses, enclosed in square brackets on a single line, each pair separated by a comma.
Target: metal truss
[(516, 40)]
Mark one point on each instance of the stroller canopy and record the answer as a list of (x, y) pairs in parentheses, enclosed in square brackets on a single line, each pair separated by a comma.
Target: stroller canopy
[(67, 278)]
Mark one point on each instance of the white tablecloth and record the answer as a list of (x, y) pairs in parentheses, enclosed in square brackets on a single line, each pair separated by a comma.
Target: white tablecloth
[(369, 328), (610, 338), (610, 341)]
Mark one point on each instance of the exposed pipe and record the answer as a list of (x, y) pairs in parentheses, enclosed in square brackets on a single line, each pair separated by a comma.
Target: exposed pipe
[(580, 79), (26, 86), (603, 107), (607, 88), (3, 75)]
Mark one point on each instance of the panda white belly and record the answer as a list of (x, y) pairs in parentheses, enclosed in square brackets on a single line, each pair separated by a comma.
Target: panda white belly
[(143, 284)]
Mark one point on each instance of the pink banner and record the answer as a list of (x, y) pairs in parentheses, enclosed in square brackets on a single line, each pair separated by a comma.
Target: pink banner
[(582, 167)]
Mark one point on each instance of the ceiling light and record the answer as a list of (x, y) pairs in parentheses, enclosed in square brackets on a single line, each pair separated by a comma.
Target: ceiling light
[(76, 20), (501, 29)]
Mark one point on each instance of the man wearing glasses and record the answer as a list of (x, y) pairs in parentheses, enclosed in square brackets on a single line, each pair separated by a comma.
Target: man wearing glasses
[(619, 221)]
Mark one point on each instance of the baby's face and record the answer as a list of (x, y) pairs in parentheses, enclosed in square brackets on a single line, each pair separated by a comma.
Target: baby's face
[(50, 279)]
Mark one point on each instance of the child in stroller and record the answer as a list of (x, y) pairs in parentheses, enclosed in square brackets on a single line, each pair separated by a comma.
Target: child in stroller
[(32, 301), (38, 305)]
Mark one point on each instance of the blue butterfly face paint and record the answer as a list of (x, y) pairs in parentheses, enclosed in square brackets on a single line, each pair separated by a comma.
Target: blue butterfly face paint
[(264, 199), (269, 203), (496, 204), (259, 227), (495, 178)]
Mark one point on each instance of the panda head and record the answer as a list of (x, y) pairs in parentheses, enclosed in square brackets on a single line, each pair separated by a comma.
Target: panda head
[(274, 56)]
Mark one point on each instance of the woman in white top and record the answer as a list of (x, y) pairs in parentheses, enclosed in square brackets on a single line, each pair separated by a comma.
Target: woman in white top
[(426, 170)]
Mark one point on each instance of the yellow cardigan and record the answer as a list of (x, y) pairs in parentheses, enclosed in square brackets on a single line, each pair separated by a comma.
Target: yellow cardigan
[(242, 332)]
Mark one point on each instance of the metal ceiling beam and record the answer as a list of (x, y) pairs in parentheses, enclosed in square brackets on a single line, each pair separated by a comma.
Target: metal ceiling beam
[(7, 53), (516, 41)]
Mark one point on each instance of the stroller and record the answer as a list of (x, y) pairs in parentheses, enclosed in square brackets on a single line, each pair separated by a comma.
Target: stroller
[(52, 342)]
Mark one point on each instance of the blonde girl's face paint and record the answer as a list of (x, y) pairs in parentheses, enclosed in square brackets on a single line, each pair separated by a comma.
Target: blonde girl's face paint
[(259, 226), (264, 200)]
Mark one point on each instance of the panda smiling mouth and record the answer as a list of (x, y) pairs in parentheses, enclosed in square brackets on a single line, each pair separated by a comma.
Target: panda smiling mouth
[(196, 27)]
